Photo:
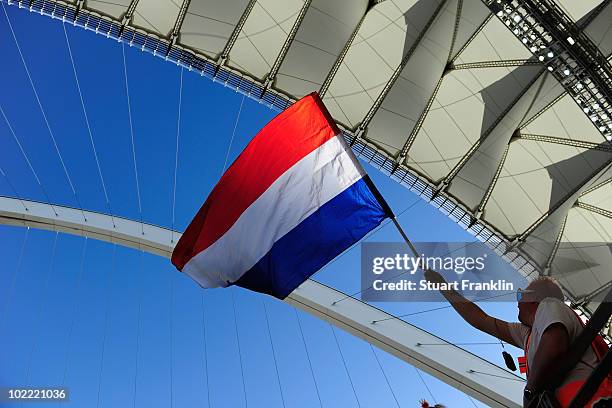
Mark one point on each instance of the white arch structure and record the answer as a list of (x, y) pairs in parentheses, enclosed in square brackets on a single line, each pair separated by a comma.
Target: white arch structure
[(457, 367)]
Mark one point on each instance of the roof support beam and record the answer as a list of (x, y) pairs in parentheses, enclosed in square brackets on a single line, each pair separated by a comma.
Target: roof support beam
[(455, 30), (459, 368), (589, 296), (287, 44), (179, 22), (595, 187), (232, 39), (129, 14), (594, 209), (474, 35), (387, 88), (553, 253), (491, 186), (541, 111), (334, 69), (582, 144), (496, 64), (417, 126)]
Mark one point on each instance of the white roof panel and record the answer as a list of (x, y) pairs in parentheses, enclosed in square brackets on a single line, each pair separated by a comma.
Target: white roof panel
[(156, 15)]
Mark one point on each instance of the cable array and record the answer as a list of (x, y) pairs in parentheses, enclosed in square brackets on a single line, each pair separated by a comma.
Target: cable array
[(75, 302), (41, 308), (14, 278), (129, 109), (93, 145), (178, 132), (42, 111), (27, 159), (229, 147), (109, 287)]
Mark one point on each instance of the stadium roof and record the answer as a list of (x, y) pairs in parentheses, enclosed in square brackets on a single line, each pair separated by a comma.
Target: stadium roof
[(479, 106)]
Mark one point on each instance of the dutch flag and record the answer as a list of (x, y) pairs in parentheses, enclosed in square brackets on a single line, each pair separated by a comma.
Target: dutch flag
[(293, 200)]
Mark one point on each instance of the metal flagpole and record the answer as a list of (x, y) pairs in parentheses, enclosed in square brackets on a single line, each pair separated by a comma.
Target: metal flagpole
[(403, 234), (390, 213)]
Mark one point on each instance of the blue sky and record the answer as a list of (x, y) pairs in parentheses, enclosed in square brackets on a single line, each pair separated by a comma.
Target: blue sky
[(122, 328)]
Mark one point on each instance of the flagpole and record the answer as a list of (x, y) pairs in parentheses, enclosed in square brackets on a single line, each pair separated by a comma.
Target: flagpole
[(403, 234), (390, 213)]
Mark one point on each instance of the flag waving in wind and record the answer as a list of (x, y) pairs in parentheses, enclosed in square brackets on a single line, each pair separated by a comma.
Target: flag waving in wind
[(294, 199)]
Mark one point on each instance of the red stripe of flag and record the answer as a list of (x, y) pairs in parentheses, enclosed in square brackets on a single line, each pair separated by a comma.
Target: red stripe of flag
[(289, 137)]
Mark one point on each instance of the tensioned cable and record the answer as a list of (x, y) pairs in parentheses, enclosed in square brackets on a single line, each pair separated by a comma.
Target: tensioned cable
[(246, 403), (481, 343), (229, 148), (43, 301), (297, 317), (172, 339), (13, 188), (443, 307), (27, 159), (344, 363), (138, 329), (471, 400), (14, 278), (178, 131), (497, 376), (280, 387), (74, 312), (42, 110), (384, 375), (109, 287), (93, 145), (129, 108), (140, 268), (205, 350), (425, 384)]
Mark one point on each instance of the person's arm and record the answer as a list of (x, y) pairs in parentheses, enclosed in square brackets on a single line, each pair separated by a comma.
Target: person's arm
[(552, 349), (473, 314)]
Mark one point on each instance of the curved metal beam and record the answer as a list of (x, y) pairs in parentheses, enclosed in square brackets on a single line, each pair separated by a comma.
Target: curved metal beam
[(459, 368)]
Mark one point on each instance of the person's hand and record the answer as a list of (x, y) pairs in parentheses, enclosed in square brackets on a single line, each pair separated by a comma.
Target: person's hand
[(434, 277)]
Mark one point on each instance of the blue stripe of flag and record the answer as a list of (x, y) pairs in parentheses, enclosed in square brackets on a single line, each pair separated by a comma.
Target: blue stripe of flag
[(318, 239)]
